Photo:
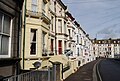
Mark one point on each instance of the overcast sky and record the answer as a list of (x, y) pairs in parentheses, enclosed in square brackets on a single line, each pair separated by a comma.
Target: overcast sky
[(99, 18)]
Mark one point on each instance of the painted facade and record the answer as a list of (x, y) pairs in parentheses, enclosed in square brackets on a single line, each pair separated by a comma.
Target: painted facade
[(44, 32), (35, 33), (61, 27), (108, 48), (81, 44), (51, 34)]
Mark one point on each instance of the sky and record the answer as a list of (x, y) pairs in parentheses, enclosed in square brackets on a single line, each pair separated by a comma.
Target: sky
[(99, 18)]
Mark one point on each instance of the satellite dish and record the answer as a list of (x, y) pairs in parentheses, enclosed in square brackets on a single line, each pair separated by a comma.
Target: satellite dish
[(37, 64)]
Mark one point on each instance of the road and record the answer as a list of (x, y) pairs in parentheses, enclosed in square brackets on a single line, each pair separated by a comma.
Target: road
[(109, 70), (84, 73)]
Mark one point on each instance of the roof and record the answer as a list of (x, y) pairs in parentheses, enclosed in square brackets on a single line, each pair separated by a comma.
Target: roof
[(106, 41), (62, 4)]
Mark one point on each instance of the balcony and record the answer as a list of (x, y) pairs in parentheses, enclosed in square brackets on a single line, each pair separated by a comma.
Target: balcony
[(38, 15)]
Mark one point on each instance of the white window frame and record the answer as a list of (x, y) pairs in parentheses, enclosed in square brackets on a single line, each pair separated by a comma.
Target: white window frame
[(33, 41), (10, 35), (59, 26)]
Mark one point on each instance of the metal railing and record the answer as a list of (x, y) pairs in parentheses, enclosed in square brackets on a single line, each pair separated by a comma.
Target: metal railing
[(38, 75)]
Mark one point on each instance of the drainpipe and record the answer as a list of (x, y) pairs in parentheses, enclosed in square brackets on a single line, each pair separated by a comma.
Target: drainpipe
[(18, 43), (23, 58), (18, 40), (55, 30)]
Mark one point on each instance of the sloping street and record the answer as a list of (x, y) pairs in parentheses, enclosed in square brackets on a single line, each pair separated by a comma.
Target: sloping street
[(84, 73)]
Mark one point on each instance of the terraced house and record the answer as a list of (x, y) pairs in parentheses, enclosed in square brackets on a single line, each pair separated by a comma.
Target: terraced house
[(50, 34), (61, 27), (83, 45), (10, 36), (35, 33), (44, 32), (108, 48)]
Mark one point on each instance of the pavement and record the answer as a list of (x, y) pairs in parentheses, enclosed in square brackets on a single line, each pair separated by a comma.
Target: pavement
[(84, 73)]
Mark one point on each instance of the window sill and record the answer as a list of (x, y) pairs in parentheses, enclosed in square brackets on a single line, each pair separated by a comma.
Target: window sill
[(9, 61)]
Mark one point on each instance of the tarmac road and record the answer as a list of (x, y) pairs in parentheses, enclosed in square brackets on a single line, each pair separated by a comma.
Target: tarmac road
[(109, 70)]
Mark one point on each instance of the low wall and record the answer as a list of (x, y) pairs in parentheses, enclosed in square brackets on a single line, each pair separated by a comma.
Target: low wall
[(73, 68)]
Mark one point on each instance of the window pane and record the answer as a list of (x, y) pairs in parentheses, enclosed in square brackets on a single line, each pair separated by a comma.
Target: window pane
[(43, 40), (52, 45), (34, 2), (43, 6), (78, 51), (59, 26), (34, 8), (33, 35), (77, 39), (60, 47), (33, 49), (6, 27), (64, 27), (34, 5), (33, 42), (52, 23), (0, 22), (4, 45)]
